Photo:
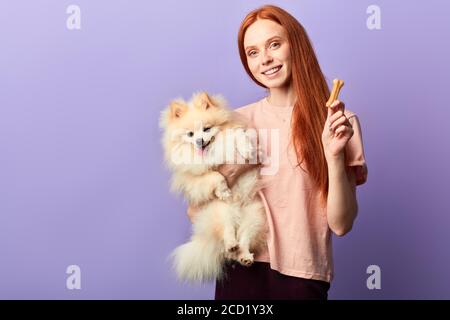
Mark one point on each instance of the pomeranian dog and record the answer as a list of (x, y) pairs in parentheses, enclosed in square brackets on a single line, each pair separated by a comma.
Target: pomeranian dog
[(199, 136)]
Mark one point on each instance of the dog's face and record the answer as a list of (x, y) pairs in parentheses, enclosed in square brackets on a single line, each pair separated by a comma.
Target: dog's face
[(192, 127), (198, 131), (200, 136)]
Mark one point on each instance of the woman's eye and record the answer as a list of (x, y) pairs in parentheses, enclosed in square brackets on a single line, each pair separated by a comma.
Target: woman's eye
[(190, 134), (275, 43), (206, 129), (251, 53)]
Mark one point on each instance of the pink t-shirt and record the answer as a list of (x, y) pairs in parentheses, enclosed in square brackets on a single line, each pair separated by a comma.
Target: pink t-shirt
[(299, 242)]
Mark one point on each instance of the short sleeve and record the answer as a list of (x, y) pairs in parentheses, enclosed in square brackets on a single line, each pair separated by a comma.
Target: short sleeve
[(241, 119), (355, 152), (243, 115)]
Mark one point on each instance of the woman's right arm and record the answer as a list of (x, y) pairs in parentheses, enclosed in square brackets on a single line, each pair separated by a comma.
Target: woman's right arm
[(231, 172)]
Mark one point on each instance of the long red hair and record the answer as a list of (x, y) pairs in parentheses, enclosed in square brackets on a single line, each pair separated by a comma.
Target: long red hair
[(311, 90)]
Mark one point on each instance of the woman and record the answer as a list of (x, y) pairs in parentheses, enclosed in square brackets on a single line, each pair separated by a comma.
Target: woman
[(320, 162)]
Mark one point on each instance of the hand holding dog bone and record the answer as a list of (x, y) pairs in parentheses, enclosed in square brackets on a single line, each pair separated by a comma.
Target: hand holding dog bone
[(338, 129), (334, 95)]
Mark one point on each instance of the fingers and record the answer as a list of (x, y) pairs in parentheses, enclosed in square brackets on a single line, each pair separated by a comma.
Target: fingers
[(335, 111), (343, 129), (240, 169), (335, 107), (230, 172), (338, 118), (336, 114), (337, 104), (227, 169), (341, 120)]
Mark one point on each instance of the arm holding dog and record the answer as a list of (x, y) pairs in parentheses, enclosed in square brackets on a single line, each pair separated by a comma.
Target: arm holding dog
[(247, 150), (202, 188), (230, 172)]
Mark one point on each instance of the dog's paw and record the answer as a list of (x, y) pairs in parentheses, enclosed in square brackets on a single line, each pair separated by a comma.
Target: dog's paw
[(246, 147), (237, 197), (248, 151), (246, 259), (223, 192)]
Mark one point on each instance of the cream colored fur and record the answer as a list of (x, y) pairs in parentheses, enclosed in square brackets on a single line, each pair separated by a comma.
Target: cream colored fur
[(230, 224)]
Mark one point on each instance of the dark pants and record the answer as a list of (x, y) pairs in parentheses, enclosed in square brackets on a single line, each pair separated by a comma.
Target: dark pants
[(260, 282)]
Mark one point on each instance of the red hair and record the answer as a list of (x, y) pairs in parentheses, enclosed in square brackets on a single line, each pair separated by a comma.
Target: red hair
[(311, 91)]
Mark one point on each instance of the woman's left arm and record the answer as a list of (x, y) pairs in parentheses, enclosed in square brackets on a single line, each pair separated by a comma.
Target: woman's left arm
[(342, 206)]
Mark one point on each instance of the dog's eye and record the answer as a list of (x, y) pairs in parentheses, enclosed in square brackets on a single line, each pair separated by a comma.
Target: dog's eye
[(206, 129), (190, 134)]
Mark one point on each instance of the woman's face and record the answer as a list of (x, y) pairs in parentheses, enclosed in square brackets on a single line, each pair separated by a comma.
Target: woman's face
[(268, 53)]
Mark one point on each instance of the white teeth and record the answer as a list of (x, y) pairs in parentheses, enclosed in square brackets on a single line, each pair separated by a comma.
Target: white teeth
[(271, 71)]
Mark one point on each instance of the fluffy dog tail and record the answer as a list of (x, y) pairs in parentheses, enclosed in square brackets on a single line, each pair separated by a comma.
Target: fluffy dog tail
[(199, 260)]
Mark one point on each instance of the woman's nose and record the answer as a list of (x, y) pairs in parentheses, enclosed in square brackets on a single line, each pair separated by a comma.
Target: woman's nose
[(266, 58)]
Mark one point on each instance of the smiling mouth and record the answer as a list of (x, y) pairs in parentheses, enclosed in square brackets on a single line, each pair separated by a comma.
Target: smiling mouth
[(206, 145), (272, 71), (203, 147)]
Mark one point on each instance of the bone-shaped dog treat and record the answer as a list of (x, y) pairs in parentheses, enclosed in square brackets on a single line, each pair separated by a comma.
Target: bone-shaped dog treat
[(337, 85)]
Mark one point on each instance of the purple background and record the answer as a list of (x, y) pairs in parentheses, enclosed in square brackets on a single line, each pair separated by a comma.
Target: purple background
[(81, 174)]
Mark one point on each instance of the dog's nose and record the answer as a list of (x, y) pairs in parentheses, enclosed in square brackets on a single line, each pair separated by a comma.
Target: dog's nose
[(199, 142)]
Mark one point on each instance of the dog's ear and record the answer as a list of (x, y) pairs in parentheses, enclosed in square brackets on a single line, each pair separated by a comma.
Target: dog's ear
[(203, 101), (177, 109)]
